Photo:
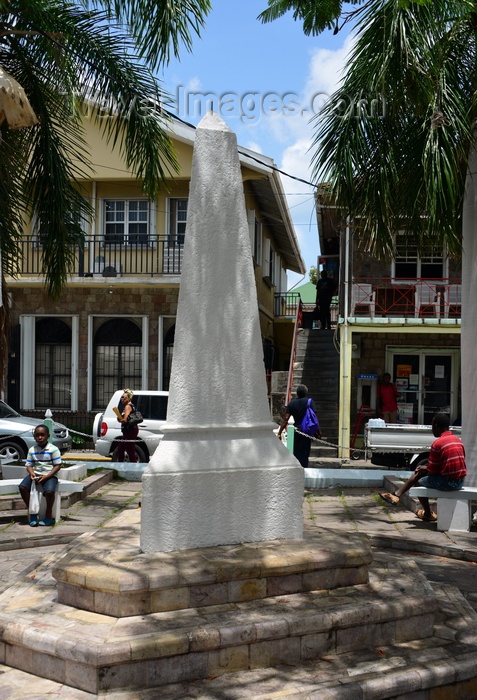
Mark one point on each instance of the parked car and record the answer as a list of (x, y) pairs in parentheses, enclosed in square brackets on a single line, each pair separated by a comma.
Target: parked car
[(16, 434), (107, 429)]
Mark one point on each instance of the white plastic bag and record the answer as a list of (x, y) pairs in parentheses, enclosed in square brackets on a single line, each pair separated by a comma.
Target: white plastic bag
[(34, 504)]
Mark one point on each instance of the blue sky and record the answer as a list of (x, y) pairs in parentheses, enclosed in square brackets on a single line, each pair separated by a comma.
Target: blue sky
[(266, 82)]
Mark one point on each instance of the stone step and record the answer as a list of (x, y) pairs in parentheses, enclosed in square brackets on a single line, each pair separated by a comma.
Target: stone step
[(320, 389), (325, 462), (317, 361), (200, 577), (446, 662), (321, 453), (97, 652)]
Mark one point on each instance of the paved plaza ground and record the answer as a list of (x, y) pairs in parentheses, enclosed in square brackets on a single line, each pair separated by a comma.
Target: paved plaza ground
[(395, 534)]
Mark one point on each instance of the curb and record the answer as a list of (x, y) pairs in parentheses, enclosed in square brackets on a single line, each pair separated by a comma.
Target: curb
[(84, 457), (450, 551)]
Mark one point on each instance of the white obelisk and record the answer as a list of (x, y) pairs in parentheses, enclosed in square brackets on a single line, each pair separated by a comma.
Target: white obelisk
[(219, 475)]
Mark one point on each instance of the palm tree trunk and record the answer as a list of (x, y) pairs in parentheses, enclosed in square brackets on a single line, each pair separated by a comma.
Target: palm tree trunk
[(4, 331), (469, 319)]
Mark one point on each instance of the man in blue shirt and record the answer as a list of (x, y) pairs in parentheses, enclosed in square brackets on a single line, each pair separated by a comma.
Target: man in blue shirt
[(43, 462)]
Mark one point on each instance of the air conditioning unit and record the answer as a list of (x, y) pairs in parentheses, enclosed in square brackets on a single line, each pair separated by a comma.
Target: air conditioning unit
[(108, 269)]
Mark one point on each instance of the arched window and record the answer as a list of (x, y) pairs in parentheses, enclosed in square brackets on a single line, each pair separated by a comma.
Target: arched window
[(168, 351), (117, 359), (52, 363)]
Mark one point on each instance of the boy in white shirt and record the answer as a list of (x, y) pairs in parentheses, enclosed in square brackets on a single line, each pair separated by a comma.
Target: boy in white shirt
[(43, 462)]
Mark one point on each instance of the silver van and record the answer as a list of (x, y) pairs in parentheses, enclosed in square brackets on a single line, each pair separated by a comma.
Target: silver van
[(107, 429), (16, 434)]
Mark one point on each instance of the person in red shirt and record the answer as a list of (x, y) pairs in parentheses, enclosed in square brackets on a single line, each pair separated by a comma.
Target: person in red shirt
[(445, 470), (387, 399)]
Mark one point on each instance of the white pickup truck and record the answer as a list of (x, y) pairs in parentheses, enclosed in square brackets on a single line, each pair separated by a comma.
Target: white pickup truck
[(400, 445)]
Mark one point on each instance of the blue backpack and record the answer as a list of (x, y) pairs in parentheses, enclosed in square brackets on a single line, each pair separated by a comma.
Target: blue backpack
[(309, 424)]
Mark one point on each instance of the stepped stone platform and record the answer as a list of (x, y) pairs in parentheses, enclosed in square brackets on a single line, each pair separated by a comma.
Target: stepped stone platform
[(107, 573), (220, 610)]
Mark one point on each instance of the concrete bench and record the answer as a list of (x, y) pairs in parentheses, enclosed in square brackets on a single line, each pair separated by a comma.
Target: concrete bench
[(64, 486), (68, 472), (453, 507)]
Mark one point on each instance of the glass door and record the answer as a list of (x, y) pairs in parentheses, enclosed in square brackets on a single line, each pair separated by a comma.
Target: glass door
[(405, 374), (437, 384), (426, 383)]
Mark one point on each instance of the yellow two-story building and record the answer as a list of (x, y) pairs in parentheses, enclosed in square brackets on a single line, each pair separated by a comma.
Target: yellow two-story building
[(114, 323)]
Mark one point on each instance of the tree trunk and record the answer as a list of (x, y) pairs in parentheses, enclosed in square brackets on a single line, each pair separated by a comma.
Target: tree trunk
[(4, 331), (468, 342)]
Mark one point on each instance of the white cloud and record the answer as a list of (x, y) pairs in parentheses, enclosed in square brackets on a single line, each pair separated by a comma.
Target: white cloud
[(193, 85), (288, 138), (326, 68), (254, 146), (325, 72)]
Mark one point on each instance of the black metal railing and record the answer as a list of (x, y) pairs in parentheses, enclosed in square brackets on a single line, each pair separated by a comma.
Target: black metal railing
[(286, 304), (150, 255)]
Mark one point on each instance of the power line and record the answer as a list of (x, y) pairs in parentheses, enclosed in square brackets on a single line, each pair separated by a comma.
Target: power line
[(247, 155)]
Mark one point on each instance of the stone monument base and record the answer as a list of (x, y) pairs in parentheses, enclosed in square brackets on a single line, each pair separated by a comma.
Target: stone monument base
[(118, 618), (281, 619), (209, 485), (189, 509)]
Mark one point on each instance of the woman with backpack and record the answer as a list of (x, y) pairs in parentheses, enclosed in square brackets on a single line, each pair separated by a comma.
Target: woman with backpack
[(298, 409)]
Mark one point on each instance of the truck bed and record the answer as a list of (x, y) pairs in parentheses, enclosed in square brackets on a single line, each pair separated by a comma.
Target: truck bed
[(403, 438)]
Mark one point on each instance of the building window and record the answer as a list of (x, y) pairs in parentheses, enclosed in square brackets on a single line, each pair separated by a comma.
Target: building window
[(53, 351), (40, 229), (126, 222), (177, 221), (411, 265), (269, 263), (176, 228), (117, 358), (256, 236)]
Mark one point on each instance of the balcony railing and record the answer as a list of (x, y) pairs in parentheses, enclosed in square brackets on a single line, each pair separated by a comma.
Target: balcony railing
[(286, 304), (396, 298), (154, 255)]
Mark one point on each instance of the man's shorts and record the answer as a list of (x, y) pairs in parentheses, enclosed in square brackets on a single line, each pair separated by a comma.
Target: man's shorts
[(439, 482), (48, 485)]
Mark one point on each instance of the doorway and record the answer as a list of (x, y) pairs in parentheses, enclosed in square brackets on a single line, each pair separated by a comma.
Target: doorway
[(427, 382)]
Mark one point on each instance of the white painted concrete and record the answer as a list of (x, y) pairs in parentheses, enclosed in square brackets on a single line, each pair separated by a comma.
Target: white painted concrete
[(220, 475), (328, 478), (453, 507), (72, 472), (11, 486)]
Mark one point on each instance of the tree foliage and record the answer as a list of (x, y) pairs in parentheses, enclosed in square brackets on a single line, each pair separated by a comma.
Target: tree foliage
[(393, 140), (158, 26), (65, 54), (313, 274), (316, 15)]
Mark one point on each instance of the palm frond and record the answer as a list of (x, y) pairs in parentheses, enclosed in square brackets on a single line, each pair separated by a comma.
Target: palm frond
[(403, 166), (63, 55), (315, 16), (159, 27), (100, 65)]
